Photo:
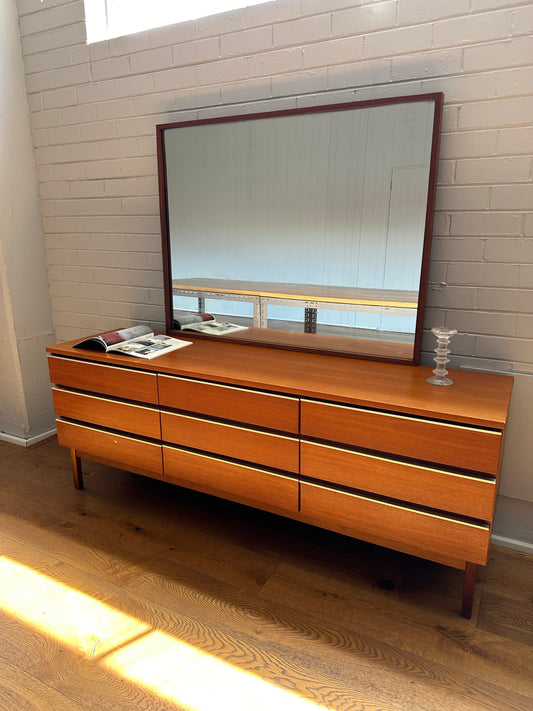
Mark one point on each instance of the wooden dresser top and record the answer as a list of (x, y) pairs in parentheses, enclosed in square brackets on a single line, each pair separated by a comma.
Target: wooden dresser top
[(475, 398)]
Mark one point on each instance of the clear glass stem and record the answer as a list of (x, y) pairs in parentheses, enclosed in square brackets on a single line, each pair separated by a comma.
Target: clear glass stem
[(443, 340)]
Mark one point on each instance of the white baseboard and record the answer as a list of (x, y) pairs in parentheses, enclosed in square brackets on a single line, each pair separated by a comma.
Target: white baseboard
[(515, 543), (27, 442)]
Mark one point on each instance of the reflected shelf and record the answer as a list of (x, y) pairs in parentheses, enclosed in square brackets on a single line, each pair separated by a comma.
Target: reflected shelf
[(308, 296)]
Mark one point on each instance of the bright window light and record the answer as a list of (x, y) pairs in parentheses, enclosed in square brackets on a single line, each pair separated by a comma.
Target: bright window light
[(115, 18)]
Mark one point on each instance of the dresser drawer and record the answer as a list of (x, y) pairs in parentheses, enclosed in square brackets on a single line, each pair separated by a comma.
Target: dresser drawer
[(261, 448), (457, 493), (134, 419), (437, 442), (106, 379), (230, 403), (238, 482), (368, 518), (119, 449)]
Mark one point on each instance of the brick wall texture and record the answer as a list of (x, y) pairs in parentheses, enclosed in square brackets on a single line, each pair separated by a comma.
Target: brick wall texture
[(94, 110)]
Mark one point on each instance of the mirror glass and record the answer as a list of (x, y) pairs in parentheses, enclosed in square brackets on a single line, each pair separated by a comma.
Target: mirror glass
[(308, 229)]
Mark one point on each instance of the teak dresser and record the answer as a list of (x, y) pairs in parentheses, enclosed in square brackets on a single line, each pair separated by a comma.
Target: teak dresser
[(363, 448)]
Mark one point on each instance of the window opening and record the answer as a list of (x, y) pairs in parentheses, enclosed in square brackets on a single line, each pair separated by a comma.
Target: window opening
[(115, 18)]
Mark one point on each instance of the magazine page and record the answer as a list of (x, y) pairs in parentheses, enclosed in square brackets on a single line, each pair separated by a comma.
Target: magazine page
[(112, 339), (150, 347), (215, 328), (204, 323), (183, 320)]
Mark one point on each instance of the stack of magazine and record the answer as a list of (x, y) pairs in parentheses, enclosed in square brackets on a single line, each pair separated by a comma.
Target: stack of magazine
[(138, 341)]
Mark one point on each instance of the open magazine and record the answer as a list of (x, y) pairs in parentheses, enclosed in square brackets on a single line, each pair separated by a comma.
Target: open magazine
[(205, 323), (138, 341)]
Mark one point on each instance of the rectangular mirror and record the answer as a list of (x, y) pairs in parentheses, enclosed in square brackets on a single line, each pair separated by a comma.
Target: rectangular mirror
[(310, 229)]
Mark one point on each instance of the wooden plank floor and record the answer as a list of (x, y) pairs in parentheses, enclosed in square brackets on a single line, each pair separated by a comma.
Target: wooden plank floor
[(134, 594)]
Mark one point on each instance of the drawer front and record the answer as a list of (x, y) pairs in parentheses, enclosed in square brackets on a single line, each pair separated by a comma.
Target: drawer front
[(363, 517), (236, 481), (437, 442), (261, 448), (121, 450), (465, 495), (248, 406), (105, 379), (134, 419)]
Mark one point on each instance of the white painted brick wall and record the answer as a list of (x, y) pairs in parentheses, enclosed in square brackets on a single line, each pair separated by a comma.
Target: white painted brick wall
[(94, 111)]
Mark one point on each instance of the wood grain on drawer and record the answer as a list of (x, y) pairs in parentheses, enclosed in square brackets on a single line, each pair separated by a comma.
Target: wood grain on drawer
[(429, 440), (267, 410), (106, 379), (457, 493), (120, 449), (366, 518), (261, 448), (235, 481), (133, 419)]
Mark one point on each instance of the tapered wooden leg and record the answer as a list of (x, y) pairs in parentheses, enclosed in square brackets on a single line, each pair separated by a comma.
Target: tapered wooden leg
[(468, 590), (76, 469)]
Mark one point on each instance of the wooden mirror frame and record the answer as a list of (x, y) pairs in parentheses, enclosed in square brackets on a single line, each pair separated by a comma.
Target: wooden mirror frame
[(369, 349)]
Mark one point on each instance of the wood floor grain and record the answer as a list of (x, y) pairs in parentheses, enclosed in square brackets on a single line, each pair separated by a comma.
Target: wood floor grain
[(134, 594)]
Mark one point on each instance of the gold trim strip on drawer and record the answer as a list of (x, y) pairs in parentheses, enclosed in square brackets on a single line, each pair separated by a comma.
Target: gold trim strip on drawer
[(238, 463), (53, 356), (248, 485), (422, 467), (110, 380), (97, 396), (414, 418), (112, 447), (229, 386), (111, 432), (253, 408), (230, 426), (410, 509)]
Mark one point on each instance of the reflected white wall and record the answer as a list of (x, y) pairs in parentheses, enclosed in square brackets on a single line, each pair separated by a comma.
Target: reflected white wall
[(335, 198)]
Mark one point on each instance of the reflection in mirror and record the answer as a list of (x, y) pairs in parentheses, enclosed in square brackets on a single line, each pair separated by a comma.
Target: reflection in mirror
[(309, 228)]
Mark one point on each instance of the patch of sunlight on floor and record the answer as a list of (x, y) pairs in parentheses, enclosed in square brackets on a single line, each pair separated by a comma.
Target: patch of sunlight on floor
[(179, 672), (199, 681), (76, 619)]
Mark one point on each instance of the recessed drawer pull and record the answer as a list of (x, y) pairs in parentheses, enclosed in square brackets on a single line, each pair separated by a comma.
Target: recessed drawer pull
[(106, 412), (405, 418), (399, 507), (458, 493), (114, 436), (430, 440), (115, 367), (225, 402), (229, 387), (102, 398), (202, 455), (419, 532), (233, 480), (237, 442), (228, 426), (375, 458), (127, 383), (137, 454)]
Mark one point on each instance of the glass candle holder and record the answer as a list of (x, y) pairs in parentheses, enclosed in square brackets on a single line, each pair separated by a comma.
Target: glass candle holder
[(443, 341)]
